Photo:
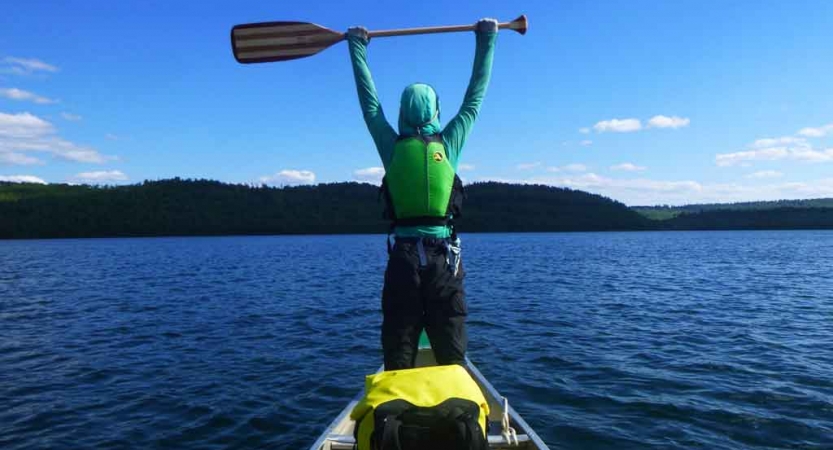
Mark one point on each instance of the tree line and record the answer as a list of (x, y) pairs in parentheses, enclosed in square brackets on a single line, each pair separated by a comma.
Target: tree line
[(186, 207)]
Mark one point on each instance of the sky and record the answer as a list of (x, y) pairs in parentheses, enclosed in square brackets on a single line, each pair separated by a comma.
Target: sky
[(645, 102)]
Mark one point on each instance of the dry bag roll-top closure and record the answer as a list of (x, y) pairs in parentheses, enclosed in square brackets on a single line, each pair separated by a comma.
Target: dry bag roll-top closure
[(421, 187), (432, 408)]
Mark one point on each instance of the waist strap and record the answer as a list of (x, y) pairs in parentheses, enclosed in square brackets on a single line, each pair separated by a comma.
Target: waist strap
[(426, 241), (421, 221)]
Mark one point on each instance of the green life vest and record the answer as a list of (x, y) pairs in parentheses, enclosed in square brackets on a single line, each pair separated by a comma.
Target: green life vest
[(420, 185), (434, 408)]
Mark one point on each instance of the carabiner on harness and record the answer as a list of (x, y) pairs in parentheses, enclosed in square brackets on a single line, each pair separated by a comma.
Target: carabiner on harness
[(452, 255)]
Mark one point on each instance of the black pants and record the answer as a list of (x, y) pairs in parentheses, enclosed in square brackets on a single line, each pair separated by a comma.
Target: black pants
[(419, 296)]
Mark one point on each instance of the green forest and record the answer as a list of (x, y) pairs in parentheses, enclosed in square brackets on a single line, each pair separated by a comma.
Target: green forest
[(185, 207), (663, 212)]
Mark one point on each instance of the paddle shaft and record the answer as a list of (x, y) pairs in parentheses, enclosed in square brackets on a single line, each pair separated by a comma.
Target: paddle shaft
[(518, 25), (282, 41)]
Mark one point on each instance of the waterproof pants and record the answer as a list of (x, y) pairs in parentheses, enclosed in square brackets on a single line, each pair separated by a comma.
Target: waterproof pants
[(421, 292)]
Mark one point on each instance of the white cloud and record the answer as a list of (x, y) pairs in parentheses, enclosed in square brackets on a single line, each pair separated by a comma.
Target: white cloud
[(774, 142), (584, 130), (764, 174), (111, 137), (18, 159), (800, 153), (628, 167), (371, 175), (25, 66), (586, 143), (24, 132), (568, 168), (100, 176), (529, 166), (618, 126), (22, 179), (23, 125), (465, 167), (71, 117), (290, 177), (816, 132), (21, 95), (668, 122)]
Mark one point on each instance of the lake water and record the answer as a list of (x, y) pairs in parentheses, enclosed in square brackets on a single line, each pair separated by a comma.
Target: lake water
[(718, 340)]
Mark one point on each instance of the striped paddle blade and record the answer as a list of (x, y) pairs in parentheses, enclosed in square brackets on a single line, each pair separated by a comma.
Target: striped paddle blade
[(280, 41)]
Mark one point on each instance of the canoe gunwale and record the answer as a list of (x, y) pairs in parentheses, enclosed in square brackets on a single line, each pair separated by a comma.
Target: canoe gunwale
[(514, 417)]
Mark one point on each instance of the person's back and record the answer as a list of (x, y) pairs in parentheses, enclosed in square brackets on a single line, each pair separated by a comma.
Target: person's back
[(424, 278)]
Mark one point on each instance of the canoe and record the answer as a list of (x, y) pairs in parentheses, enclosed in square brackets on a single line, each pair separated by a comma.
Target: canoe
[(339, 435)]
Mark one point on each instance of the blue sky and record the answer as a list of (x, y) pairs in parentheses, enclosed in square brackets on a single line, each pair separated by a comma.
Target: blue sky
[(643, 101)]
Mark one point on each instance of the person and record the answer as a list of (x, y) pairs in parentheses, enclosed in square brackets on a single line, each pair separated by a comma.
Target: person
[(423, 285)]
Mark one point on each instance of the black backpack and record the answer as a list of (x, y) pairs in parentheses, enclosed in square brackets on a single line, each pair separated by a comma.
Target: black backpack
[(451, 425)]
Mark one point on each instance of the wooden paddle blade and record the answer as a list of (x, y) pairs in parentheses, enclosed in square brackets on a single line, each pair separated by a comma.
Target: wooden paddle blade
[(520, 24), (280, 41)]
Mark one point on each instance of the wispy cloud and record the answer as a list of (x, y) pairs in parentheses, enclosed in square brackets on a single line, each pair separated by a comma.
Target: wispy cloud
[(100, 176), (372, 175), (71, 117), (785, 148), (628, 167), (465, 167), (800, 153), (764, 174), (528, 166), (25, 66), (575, 168), (668, 122), (289, 177), (618, 126), (816, 132), (586, 143), (22, 179), (18, 159), (111, 137), (23, 125), (774, 142), (26, 96), (632, 124), (24, 132), (584, 130)]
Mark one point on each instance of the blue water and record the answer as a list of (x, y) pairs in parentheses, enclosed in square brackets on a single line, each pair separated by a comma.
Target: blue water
[(718, 340)]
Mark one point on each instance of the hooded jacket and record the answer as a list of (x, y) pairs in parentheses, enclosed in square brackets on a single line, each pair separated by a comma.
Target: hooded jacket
[(419, 113)]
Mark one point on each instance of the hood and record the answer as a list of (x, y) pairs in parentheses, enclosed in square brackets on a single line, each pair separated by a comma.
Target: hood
[(419, 107)]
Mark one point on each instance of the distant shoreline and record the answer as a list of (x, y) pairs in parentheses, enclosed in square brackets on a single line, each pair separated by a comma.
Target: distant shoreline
[(205, 208), (382, 236)]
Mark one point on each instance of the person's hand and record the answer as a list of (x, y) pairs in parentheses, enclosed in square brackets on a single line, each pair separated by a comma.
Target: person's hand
[(486, 26), (359, 32)]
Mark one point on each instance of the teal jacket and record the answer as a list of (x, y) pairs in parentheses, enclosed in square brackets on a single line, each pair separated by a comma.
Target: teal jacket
[(419, 107)]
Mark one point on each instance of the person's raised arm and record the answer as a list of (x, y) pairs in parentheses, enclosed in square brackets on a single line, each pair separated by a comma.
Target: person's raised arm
[(383, 134), (457, 130)]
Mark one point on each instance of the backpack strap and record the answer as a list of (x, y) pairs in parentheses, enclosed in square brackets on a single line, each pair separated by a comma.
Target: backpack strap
[(390, 434)]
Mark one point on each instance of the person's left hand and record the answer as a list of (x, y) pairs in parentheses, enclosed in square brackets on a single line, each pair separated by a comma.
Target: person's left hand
[(486, 25)]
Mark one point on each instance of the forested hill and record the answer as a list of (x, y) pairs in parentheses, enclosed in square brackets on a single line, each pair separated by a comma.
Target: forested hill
[(204, 207), (180, 207), (664, 212)]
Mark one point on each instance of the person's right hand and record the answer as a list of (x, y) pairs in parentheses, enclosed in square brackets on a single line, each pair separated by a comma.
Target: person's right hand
[(486, 26), (359, 32)]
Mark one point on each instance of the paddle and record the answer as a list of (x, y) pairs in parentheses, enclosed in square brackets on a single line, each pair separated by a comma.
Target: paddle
[(281, 41)]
